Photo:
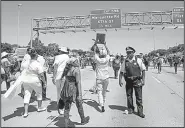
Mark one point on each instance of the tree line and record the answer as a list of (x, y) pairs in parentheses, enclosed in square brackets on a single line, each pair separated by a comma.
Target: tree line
[(167, 52), (49, 50)]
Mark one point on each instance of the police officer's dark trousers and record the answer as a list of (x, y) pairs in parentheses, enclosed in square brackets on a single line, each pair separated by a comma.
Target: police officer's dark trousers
[(138, 94), (67, 108)]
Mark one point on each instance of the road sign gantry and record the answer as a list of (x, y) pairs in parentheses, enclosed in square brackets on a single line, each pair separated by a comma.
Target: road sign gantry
[(83, 23)]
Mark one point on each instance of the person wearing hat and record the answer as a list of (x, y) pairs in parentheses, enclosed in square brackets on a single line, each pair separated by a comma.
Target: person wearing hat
[(5, 63), (59, 64), (102, 74), (72, 91), (133, 71)]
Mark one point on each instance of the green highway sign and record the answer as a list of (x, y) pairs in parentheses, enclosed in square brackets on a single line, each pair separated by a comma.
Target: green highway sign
[(178, 15), (105, 19)]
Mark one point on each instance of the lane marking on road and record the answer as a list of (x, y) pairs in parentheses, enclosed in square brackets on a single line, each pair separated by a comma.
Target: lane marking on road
[(156, 79), (173, 92)]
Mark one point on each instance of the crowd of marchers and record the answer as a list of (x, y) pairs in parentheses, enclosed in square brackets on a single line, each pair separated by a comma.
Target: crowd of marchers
[(30, 75)]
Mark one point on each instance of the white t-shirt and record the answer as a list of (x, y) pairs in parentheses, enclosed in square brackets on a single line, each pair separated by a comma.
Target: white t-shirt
[(139, 61), (59, 65), (25, 62), (42, 61), (102, 65), (32, 72)]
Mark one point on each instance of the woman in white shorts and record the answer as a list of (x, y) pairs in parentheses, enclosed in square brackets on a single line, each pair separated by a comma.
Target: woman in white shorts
[(32, 81)]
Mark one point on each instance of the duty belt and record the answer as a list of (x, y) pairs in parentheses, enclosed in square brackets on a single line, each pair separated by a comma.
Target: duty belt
[(134, 78)]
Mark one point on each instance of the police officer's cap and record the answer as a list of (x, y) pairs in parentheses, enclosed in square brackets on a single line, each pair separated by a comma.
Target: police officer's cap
[(130, 49)]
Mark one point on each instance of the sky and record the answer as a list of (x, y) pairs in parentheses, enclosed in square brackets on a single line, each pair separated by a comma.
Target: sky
[(117, 41)]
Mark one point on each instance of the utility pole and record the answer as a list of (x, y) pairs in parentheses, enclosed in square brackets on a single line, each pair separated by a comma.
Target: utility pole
[(31, 45), (154, 39), (19, 6)]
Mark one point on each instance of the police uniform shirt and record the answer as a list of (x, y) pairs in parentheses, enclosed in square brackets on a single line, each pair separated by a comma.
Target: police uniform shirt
[(139, 61)]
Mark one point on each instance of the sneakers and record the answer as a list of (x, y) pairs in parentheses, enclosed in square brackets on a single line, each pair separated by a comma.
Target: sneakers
[(25, 115), (85, 120), (141, 115), (41, 109)]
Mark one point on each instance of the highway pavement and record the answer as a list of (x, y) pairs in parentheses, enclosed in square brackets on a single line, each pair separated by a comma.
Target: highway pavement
[(163, 101)]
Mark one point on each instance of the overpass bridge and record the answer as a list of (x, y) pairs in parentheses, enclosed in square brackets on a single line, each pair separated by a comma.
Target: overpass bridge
[(128, 21)]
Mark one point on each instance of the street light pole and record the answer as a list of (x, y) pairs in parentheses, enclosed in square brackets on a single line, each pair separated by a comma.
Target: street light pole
[(19, 6), (31, 45), (153, 39)]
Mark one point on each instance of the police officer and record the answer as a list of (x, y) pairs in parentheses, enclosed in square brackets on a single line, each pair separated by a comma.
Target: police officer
[(133, 71)]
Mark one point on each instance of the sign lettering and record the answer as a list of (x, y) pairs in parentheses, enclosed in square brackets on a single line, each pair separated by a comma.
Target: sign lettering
[(178, 15), (110, 18)]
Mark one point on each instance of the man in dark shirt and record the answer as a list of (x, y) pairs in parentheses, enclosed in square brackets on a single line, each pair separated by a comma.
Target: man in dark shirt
[(176, 62)]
